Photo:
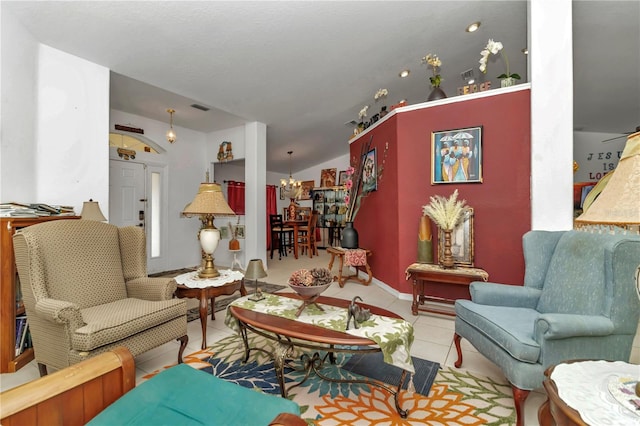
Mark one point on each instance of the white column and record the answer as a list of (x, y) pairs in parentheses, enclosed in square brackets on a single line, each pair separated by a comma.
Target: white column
[(551, 75), (255, 191)]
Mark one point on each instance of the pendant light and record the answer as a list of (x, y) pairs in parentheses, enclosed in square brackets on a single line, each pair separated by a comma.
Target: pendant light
[(171, 134)]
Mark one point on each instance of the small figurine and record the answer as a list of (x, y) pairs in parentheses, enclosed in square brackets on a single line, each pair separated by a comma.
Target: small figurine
[(357, 313)]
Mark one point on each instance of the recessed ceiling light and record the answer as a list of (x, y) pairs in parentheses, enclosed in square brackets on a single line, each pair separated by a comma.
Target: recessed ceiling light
[(471, 28), (404, 73)]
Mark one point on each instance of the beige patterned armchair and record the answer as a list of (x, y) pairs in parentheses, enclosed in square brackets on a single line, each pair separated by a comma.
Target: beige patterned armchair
[(86, 290)]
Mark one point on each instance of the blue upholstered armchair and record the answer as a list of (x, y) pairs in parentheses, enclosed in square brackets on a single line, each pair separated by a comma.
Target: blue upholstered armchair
[(578, 302)]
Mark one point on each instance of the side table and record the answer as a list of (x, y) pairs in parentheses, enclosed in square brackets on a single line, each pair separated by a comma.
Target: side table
[(340, 252), (205, 289), (582, 393), (427, 274)]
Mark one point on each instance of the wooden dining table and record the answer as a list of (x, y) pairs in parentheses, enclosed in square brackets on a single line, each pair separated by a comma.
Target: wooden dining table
[(295, 224)]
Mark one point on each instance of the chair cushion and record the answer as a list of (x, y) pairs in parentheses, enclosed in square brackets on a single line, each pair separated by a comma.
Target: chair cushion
[(118, 320), (183, 395), (508, 327)]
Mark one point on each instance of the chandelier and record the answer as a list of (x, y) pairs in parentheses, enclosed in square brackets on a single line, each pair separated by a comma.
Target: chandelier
[(291, 187)]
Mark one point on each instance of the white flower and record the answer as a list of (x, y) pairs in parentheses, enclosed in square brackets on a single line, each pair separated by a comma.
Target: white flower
[(493, 47), (363, 112), (381, 93)]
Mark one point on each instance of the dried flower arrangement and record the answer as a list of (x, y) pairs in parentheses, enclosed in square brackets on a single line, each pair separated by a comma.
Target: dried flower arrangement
[(310, 277), (445, 212)]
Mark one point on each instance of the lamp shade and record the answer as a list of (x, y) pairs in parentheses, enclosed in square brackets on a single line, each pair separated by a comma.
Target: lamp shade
[(255, 270), (209, 200), (91, 211), (618, 205)]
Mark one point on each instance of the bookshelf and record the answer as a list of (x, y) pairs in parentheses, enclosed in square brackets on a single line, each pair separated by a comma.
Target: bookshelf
[(9, 295)]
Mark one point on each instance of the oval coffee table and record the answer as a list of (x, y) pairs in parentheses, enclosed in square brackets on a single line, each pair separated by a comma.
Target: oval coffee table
[(283, 331)]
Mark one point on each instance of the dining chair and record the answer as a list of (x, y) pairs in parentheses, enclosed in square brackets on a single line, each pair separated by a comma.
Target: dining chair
[(307, 235), (281, 235)]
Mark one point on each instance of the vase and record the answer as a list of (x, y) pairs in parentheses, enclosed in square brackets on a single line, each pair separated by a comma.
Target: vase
[(436, 93), (508, 82), (234, 244), (425, 247), (291, 211), (447, 259), (349, 237)]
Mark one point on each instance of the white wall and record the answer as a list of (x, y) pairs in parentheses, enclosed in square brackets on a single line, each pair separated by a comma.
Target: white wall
[(18, 111), (551, 64), (72, 130)]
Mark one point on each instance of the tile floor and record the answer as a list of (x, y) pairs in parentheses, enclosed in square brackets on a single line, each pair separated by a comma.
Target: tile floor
[(433, 333)]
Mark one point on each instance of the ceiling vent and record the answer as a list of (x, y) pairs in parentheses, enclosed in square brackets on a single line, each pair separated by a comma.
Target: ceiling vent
[(200, 107)]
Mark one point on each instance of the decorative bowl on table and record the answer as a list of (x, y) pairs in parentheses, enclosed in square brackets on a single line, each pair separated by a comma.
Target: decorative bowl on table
[(309, 284)]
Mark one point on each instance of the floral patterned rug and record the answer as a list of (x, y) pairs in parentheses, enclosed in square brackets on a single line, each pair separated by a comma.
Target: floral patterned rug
[(456, 397)]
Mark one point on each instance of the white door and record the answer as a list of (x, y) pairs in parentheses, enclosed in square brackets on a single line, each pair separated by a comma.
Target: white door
[(127, 199)]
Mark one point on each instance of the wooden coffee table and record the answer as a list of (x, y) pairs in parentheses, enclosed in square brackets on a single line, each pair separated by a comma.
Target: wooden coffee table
[(312, 337)]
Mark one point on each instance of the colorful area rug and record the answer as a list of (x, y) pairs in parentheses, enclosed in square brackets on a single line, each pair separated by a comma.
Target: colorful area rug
[(456, 397)]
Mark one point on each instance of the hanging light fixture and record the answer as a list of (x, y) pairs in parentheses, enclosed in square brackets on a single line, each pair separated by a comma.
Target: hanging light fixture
[(290, 186), (291, 189), (171, 134)]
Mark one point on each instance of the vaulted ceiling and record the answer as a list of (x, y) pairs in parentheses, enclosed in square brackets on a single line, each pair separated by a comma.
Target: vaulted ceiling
[(306, 68)]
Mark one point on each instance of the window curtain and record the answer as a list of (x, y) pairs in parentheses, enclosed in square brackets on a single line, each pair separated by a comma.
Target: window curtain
[(272, 208), (235, 196)]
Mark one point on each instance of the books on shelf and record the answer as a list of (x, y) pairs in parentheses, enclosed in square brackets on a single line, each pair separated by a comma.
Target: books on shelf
[(14, 209), (23, 338)]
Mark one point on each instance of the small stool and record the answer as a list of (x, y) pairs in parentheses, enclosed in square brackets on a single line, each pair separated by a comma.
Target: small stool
[(340, 253)]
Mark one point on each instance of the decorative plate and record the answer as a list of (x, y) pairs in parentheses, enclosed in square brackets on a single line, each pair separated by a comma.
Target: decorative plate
[(623, 389)]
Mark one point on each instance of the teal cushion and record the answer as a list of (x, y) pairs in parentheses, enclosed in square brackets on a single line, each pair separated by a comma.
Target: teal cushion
[(509, 328), (183, 395)]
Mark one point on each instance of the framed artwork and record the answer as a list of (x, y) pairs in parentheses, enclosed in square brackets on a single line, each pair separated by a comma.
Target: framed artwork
[(328, 177), (461, 240), (307, 187), (369, 172), (224, 232), (456, 155), (342, 177), (240, 231), (282, 193)]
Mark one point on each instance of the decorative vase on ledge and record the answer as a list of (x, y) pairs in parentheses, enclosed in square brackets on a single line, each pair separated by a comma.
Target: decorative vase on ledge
[(349, 237), (507, 82), (436, 93), (447, 261)]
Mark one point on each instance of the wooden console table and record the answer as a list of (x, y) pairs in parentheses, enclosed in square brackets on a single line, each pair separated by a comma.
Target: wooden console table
[(453, 284), (340, 252)]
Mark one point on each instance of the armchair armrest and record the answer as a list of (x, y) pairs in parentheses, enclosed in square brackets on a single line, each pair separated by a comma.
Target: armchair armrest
[(60, 312), (156, 288), (486, 293), (552, 326)]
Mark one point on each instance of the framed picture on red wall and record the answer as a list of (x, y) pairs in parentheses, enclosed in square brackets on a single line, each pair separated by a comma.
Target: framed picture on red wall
[(456, 155)]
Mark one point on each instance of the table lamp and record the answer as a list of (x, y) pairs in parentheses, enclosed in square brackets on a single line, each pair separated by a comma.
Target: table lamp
[(255, 271), (208, 203), (91, 211)]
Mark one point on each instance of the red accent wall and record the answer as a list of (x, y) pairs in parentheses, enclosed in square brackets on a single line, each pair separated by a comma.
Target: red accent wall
[(387, 222)]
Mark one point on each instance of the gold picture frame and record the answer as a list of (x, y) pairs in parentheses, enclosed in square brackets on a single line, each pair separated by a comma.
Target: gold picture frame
[(462, 244)]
